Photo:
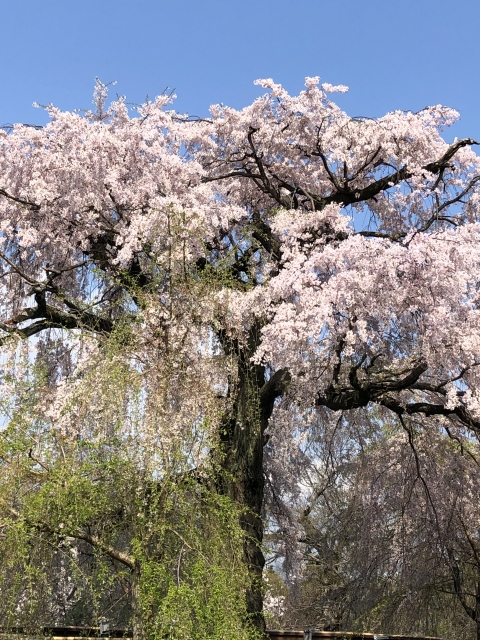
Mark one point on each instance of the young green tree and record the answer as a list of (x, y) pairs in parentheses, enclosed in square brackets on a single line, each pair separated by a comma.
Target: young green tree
[(98, 520)]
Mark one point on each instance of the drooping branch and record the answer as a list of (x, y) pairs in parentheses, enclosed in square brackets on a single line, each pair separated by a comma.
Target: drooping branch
[(458, 586), (110, 551), (33, 206), (50, 317), (92, 540), (385, 389), (429, 410)]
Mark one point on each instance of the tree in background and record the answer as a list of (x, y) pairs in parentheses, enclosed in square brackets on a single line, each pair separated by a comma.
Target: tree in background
[(263, 269), (423, 486), (390, 540)]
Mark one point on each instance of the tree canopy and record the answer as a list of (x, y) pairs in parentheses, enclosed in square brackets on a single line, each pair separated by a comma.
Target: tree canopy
[(217, 295)]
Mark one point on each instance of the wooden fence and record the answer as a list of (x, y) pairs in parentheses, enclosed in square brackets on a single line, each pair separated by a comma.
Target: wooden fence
[(312, 634), (80, 633)]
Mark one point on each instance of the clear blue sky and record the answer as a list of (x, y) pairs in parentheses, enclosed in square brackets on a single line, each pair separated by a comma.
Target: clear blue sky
[(393, 55)]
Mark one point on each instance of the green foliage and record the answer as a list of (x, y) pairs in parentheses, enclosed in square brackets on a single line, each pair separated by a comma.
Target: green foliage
[(184, 540), (192, 578), (91, 525)]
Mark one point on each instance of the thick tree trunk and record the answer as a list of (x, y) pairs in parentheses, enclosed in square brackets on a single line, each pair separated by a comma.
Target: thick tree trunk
[(242, 479), (137, 625), (477, 608)]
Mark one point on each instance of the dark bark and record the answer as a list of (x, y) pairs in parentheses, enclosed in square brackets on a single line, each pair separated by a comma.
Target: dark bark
[(242, 438), (242, 480), (477, 609), (242, 476), (135, 604)]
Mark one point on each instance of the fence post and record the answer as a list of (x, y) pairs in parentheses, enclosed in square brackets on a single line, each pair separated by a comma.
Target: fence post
[(104, 626)]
